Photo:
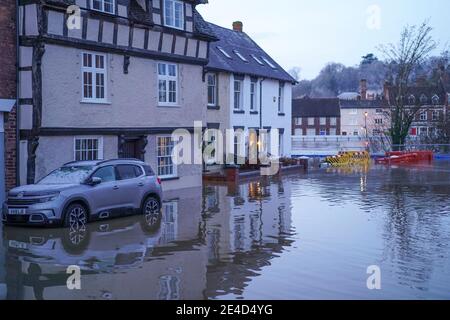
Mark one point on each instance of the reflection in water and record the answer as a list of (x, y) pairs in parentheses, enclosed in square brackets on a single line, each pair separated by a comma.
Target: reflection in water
[(286, 237)]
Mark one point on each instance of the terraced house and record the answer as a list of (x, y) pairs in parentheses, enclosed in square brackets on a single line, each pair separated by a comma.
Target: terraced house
[(110, 79), (247, 91)]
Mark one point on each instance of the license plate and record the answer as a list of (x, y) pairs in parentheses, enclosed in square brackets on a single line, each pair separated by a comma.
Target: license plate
[(17, 212), (17, 244)]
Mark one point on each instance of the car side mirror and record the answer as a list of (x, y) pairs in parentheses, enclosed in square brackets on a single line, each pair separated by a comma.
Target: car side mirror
[(94, 181)]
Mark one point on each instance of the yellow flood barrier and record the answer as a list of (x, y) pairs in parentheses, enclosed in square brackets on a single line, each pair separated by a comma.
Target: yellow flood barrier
[(349, 158)]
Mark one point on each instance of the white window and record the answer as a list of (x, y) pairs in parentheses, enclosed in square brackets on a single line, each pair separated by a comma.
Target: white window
[(226, 54), (423, 116), (166, 166), (378, 121), (435, 99), (280, 144), (93, 77), (281, 97), (323, 121), (379, 111), (333, 132), (298, 132), (310, 132), (212, 89), (270, 64), (107, 6), (310, 121), (257, 59), (167, 83), (174, 14), (88, 148), (240, 56), (435, 115), (253, 96), (238, 104), (333, 121), (298, 121)]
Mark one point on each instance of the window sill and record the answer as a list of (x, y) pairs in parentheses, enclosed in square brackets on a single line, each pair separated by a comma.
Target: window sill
[(238, 111), (169, 178), (175, 106), (211, 107), (95, 102), (254, 112)]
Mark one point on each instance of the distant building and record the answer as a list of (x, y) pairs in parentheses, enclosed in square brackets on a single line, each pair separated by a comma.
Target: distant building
[(365, 116), (431, 99), (316, 117)]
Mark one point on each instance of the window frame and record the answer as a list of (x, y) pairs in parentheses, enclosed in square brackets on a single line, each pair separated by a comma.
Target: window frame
[(215, 87), (281, 87), (167, 79), (94, 72), (258, 61), (253, 95), (240, 55), (241, 98), (183, 18), (425, 114), (113, 5), (158, 156), (100, 151), (224, 52), (270, 64)]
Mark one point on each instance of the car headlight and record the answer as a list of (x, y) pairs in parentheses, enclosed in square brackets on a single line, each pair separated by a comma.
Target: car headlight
[(49, 198)]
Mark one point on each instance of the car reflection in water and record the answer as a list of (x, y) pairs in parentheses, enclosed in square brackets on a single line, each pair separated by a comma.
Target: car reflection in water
[(200, 248)]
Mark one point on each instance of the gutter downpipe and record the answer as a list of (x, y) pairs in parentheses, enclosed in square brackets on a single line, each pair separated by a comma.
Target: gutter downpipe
[(17, 96)]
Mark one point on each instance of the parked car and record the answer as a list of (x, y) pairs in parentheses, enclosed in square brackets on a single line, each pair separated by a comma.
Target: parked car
[(84, 191)]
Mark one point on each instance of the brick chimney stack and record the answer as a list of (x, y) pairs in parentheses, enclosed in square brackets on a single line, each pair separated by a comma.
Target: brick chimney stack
[(238, 26), (363, 89)]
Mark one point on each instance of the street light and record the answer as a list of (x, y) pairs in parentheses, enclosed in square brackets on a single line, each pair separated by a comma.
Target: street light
[(366, 114)]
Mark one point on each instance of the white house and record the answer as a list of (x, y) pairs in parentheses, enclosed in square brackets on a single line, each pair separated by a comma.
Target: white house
[(247, 90)]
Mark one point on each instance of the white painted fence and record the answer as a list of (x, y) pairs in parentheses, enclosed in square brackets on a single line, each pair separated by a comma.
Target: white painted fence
[(326, 145)]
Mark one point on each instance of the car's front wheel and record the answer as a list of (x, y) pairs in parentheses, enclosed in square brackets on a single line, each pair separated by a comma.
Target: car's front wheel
[(75, 217)]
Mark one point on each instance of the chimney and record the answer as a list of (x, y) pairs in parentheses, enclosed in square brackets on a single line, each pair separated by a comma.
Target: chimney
[(363, 88), (238, 26)]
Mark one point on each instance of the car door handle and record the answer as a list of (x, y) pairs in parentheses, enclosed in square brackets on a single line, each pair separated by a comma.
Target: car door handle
[(115, 188), (140, 184)]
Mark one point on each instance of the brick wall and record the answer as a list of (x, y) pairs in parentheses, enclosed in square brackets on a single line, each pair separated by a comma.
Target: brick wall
[(8, 88)]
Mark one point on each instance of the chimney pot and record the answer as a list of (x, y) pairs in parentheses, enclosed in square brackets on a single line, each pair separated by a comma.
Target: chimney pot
[(238, 26)]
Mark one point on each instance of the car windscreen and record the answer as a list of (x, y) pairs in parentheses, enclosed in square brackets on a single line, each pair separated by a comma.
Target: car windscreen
[(68, 175)]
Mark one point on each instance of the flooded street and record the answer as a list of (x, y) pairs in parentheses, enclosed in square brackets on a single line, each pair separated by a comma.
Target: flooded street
[(293, 237)]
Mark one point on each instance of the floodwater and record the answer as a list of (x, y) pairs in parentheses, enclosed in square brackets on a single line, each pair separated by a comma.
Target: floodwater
[(296, 237)]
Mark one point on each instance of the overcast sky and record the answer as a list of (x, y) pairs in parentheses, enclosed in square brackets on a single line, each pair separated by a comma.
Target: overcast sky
[(310, 33)]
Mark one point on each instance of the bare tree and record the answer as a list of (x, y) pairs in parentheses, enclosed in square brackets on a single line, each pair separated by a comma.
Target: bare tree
[(415, 45)]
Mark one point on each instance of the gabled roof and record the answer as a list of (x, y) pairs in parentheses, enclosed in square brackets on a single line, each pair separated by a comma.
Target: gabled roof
[(362, 104), (231, 41), (309, 107), (418, 92)]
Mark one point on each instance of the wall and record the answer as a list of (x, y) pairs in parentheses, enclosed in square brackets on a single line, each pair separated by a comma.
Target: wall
[(354, 120), (8, 88), (132, 97)]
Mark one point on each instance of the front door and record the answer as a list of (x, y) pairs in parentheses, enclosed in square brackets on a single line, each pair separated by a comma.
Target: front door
[(132, 148)]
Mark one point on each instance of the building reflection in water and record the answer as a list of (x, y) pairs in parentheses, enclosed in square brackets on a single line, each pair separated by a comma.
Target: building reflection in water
[(200, 247)]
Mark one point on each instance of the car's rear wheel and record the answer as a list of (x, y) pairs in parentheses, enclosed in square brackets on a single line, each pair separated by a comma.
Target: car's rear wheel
[(76, 217)]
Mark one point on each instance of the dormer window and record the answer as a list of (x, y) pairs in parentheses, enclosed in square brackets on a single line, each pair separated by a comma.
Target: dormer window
[(174, 14), (423, 99), (107, 6), (240, 56), (270, 64), (257, 59), (412, 100), (224, 52), (435, 99)]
